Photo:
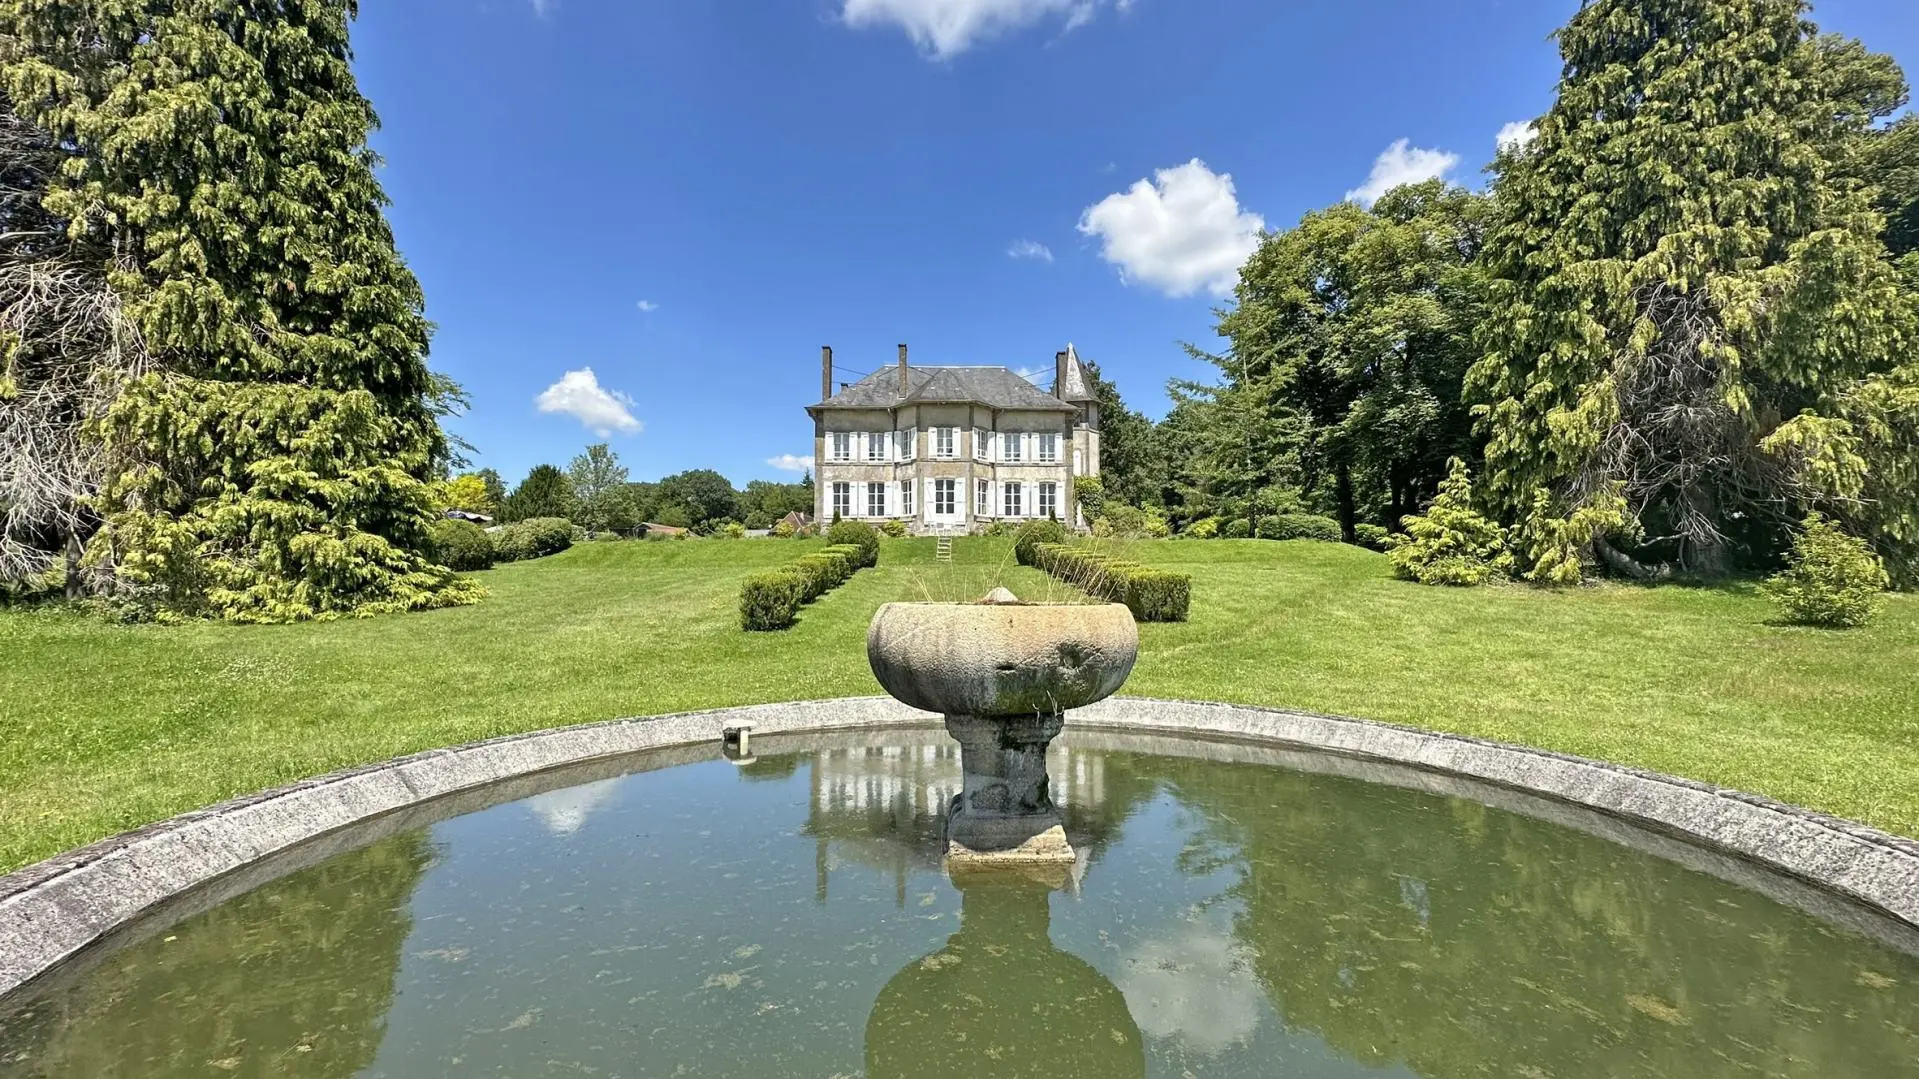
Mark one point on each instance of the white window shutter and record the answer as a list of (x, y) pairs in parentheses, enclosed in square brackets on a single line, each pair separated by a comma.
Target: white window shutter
[(1029, 500)]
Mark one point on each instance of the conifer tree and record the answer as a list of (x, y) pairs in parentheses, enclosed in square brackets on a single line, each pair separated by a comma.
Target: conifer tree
[(273, 463), (1690, 291)]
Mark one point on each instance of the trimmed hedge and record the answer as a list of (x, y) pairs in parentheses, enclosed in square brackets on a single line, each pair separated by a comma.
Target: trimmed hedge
[(460, 545), (858, 534), (1031, 535), (534, 537), (772, 600), (1237, 528), (1287, 526), (1153, 595), (1371, 537)]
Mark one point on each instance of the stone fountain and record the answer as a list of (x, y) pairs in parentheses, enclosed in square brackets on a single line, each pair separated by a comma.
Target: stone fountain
[(1003, 673)]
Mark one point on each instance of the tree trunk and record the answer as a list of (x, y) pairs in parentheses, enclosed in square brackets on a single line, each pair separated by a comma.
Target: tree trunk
[(1343, 479)]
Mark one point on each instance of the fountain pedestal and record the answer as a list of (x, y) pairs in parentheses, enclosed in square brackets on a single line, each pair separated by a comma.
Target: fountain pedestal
[(1005, 810), (1003, 673)]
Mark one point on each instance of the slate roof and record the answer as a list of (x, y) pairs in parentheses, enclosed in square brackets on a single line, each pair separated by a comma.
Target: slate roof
[(994, 387), (1077, 390)]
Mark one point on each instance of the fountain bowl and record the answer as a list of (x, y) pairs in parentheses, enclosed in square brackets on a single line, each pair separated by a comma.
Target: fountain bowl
[(1001, 659)]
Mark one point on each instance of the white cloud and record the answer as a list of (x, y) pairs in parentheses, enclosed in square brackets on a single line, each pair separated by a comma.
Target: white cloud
[(1402, 163), (579, 394), (945, 28), (1179, 233), (792, 462), (1034, 374), (1196, 985), (647, 305), (563, 811), (1516, 136), (1030, 249)]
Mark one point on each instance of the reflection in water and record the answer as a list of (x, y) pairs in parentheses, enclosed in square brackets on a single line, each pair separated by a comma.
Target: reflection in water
[(790, 917), (293, 979), (564, 811), (1001, 1000)]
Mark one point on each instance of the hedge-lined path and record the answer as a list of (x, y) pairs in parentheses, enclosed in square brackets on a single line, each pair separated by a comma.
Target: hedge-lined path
[(106, 727)]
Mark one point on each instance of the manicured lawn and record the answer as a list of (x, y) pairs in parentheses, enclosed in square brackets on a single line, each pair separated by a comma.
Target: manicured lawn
[(105, 727)]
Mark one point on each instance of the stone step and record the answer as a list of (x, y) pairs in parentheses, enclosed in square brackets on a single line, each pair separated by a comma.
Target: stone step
[(943, 550)]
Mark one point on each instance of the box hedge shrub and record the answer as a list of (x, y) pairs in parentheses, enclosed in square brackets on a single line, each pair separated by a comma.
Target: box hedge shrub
[(1153, 595), (460, 545), (858, 534), (1238, 528), (1289, 526), (1371, 537), (772, 600), (1027, 541)]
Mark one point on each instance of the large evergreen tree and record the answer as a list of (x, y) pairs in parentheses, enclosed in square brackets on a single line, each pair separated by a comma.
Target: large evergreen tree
[(273, 463), (1692, 307)]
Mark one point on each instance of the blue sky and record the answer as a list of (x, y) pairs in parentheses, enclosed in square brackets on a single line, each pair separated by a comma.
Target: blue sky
[(640, 219)]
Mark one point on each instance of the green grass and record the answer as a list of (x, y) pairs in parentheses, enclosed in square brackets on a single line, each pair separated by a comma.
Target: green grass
[(106, 727)]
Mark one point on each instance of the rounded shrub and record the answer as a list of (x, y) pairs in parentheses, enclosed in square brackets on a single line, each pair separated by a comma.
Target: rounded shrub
[(1237, 528), (784, 530), (1204, 528), (1027, 540), (730, 530), (857, 534), (1371, 537), (460, 545), (533, 538), (1831, 578), (894, 529), (1288, 526)]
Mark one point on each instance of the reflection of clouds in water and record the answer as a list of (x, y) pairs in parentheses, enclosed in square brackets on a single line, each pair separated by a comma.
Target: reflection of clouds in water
[(1195, 985), (562, 812)]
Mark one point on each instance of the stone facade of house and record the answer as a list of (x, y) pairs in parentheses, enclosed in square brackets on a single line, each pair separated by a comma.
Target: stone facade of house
[(953, 449)]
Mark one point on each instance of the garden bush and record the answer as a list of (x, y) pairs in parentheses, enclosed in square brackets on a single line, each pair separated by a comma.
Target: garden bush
[(1452, 543), (1031, 535), (1153, 595), (894, 529), (1287, 526), (772, 600), (858, 534), (730, 530), (533, 538), (1237, 528), (1153, 525), (1372, 537), (1204, 528), (784, 530), (998, 528), (1831, 578), (1121, 520), (460, 545)]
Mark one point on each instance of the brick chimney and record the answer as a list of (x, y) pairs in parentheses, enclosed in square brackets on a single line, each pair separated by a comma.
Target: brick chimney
[(905, 386), (826, 371), (1059, 374)]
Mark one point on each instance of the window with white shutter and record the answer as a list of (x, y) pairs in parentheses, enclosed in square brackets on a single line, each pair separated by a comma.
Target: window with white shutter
[(944, 441), (842, 445), (843, 499), (1048, 501), (906, 499), (1048, 449), (1010, 500), (876, 446), (1009, 446), (945, 497)]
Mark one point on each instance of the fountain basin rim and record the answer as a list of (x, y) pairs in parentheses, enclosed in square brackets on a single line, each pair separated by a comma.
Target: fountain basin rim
[(52, 910)]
